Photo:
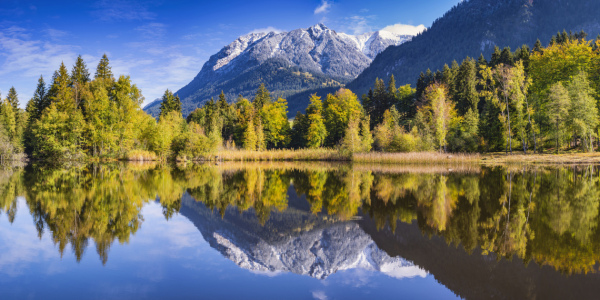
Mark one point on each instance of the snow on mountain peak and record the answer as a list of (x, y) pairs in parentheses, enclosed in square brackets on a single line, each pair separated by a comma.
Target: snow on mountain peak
[(346, 55)]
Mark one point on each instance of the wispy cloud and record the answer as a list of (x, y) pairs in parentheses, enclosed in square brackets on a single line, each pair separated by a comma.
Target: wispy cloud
[(359, 24), (55, 34), (404, 29), (152, 31), (30, 57), (323, 8), (319, 295), (122, 10)]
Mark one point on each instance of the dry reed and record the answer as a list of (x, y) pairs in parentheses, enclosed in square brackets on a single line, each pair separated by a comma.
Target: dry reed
[(141, 155), (416, 158), (321, 154)]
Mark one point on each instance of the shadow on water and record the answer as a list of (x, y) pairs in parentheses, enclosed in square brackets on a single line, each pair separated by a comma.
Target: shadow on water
[(480, 231)]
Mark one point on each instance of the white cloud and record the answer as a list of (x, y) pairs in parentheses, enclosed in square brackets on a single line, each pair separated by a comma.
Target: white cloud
[(319, 295), (152, 30), (55, 34), (404, 29), (323, 8), (266, 30), (359, 25), (31, 57)]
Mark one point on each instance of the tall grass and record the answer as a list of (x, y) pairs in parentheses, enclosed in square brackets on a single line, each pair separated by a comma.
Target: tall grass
[(415, 158), (550, 158), (141, 155), (321, 154)]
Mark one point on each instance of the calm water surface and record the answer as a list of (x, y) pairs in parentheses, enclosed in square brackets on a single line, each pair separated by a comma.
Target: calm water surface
[(299, 231)]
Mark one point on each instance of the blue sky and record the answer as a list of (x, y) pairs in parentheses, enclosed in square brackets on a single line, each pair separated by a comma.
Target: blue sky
[(163, 44)]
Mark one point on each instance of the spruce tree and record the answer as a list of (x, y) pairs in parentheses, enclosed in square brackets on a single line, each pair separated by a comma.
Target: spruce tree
[(392, 87), (495, 60), (262, 97), (60, 91), (506, 57), (169, 103), (537, 47), (80, 73), (39, 101), (103, 71), (13, 98), (465, 87)]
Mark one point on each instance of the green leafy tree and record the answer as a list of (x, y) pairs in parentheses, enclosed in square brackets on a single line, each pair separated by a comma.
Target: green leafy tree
[(316, 131), (338, 109), (557, 110), (275, 123), (250, 139), (583, 113)]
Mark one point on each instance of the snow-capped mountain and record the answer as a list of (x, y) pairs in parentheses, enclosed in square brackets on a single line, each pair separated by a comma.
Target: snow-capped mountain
[(287, 62), (317, 48), (319, 250)]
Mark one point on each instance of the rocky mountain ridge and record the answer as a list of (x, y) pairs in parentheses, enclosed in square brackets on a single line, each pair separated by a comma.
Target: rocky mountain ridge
[(287, 62)]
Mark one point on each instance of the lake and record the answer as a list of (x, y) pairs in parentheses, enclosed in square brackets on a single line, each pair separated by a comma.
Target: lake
[(299, 231)]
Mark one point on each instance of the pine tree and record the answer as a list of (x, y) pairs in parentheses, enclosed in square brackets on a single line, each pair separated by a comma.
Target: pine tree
[(392, 87), (13, 98), (466, 95), (103, 71), (537, 47), (262, 97), (495, 60), (60, 92), (40, 100), (506, 57), (80, 73), (169, 103)]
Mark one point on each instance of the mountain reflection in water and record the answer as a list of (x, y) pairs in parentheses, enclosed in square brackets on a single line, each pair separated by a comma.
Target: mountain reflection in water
[(481, 231)]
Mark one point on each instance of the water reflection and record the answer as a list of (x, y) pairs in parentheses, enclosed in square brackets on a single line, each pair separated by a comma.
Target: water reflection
[(546, 215)]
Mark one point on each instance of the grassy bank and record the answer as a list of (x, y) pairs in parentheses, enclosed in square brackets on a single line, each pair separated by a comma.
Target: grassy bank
[(416, 158), (567, 158), (280, 155), (411, 158)]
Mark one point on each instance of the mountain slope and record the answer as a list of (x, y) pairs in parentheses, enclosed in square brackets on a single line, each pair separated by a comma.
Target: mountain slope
[(287, 62), (476, 26)]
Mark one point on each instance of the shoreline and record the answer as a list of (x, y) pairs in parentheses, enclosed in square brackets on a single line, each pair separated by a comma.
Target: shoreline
[(384, 158)]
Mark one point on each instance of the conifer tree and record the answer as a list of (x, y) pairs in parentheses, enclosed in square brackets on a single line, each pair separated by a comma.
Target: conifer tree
[(262, 97), (495, 60), (465, 87), (103, 70), (40, 100), (169, 103), (13, 98), (80, 73), (537, 47), (60, 92)]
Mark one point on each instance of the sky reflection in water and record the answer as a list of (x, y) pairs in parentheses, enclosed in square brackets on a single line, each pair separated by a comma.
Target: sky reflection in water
[(297, 232)]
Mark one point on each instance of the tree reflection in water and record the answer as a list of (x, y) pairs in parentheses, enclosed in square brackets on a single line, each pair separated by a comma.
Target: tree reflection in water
[(545, 214)]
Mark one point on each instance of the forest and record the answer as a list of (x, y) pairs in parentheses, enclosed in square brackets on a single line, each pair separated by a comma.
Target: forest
[(538, 100)]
